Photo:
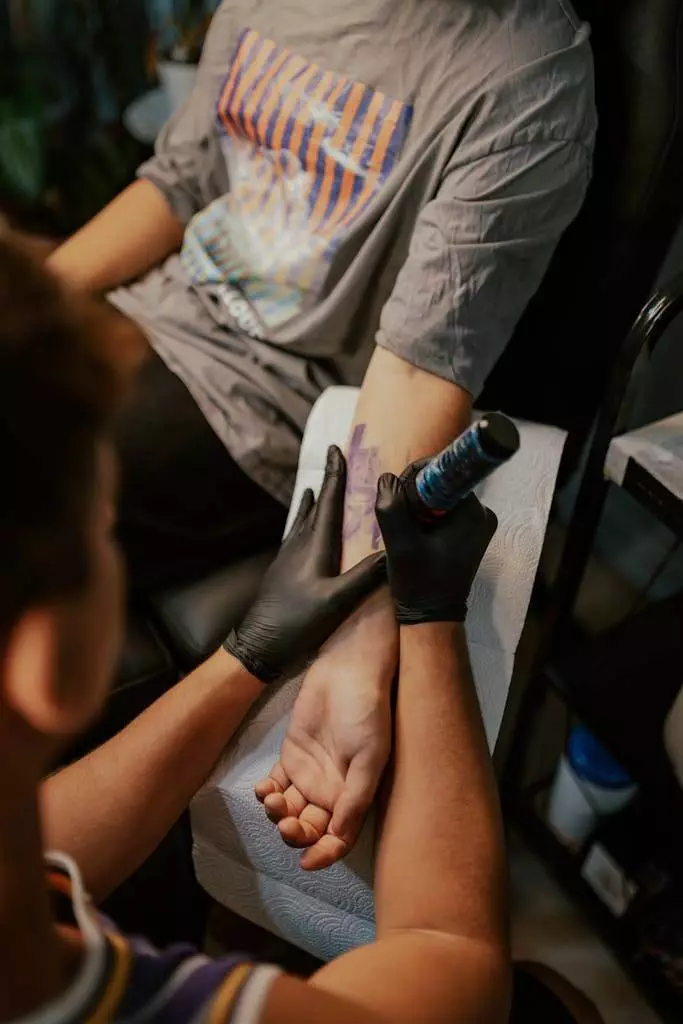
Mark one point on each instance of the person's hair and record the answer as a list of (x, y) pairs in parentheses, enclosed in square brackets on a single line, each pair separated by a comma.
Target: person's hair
[(64, 364)]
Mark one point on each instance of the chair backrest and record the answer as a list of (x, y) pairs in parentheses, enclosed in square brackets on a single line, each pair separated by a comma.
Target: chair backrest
[(556, 367)]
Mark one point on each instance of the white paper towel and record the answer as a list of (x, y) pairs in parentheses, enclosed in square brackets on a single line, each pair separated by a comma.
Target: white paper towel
[(239, 857)]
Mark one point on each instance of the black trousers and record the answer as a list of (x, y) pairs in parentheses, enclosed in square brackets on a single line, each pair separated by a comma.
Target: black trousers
[(533, 1001), (185, 506)]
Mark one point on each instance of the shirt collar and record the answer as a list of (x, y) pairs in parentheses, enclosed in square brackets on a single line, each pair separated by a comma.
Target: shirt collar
[(89, 992)]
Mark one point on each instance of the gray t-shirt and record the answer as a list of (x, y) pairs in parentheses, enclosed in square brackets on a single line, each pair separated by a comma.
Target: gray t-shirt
[(360, 172)]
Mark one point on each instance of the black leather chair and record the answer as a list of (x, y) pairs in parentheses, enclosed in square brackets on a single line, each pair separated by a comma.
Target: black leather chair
[(556, 366)]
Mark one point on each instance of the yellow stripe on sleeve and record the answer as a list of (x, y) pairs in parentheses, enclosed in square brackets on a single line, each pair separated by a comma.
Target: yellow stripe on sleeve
[(105, 1012), (225, 997)]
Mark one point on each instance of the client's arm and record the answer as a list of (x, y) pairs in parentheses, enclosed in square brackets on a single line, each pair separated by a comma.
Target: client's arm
[(403, 414), (478, 252), (338, 740), (441, 952), (110, 809), (145, 224), (134, 232)]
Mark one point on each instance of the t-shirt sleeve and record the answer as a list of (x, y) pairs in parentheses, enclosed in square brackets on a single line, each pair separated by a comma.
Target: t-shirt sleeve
[(478, 253), (242, 996), (188, 167)]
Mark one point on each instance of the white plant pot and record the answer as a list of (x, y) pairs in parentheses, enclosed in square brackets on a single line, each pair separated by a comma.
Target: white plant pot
[(177, 80), (576, 804)]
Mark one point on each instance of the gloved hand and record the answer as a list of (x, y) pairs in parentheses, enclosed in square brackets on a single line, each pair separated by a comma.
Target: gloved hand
[(431, 567), (303, 599)]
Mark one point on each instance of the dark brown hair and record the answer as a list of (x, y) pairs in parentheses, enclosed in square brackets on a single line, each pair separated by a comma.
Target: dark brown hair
[(64, 363)]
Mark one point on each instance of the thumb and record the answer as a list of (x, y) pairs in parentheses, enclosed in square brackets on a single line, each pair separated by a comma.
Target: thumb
[(391, 509), (360, 581), (491, 521), (354, 802), (388, 492), (305, 506)]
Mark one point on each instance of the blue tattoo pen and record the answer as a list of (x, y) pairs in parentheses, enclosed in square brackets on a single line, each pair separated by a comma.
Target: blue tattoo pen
[(459, 468)]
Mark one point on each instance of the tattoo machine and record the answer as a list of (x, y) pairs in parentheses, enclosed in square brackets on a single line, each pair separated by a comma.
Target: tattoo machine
[(458, 469)]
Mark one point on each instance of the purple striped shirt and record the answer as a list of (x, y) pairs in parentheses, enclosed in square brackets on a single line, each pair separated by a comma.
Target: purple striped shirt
[(126, 980)]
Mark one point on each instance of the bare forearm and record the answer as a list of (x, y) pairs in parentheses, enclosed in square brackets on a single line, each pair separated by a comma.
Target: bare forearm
[(403, 414), (133, 233), (112, 808), (439, 872), (442, 828)]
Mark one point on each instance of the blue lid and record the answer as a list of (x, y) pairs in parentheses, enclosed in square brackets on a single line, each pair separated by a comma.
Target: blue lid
[(592, 762)]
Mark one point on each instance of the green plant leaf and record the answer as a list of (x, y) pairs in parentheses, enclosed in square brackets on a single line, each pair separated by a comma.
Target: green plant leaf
[(22, 164)]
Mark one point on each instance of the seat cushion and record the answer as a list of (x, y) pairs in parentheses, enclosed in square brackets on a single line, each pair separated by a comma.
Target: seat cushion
[(143, 657), (196, 618)]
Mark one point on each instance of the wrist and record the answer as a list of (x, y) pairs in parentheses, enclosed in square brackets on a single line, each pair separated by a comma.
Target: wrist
[(363, 652), (442, 628), (233, 674), (424, 615), (431, 635), (250, 663), (370, 627)]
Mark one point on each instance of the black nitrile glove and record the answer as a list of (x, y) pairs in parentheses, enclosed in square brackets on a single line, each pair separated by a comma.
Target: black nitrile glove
[(303, 599), (431, 567)]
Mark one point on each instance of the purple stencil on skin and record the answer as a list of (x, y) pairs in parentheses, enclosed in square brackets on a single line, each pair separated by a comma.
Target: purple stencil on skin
[(361, 489)]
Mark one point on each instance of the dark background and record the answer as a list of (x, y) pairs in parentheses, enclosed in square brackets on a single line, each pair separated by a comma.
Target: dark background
[(68, 70)]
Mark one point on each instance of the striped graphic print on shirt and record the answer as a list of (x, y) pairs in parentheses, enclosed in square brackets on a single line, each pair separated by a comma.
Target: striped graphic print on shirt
[(343, 133), (307, 151)]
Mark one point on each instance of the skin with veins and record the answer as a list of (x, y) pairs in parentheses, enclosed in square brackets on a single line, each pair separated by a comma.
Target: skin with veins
[(363, 471)]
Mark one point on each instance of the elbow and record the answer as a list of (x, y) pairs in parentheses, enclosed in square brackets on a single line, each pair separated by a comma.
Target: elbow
[(483, 967)]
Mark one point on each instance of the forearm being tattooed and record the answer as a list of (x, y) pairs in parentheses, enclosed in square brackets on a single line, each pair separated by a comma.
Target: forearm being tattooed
[(364, 470), (403, 414)]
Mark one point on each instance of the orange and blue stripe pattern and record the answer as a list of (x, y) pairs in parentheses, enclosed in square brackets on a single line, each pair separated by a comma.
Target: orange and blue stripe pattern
[(344, 134), (307, 151)]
